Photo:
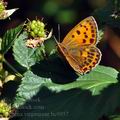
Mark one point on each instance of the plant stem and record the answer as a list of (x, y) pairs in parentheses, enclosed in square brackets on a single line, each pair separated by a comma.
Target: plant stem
[(12, 68)]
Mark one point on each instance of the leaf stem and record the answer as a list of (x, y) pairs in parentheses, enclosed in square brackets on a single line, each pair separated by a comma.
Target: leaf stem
[(12, 68)]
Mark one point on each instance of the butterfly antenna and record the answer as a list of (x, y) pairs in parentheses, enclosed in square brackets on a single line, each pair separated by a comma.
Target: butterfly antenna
[(55, 39), (59, 32)]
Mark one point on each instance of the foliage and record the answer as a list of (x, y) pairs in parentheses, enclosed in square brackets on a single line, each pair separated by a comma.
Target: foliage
[(9, 38), (115, 117), (72, 104), (48, 88), (24, 55)]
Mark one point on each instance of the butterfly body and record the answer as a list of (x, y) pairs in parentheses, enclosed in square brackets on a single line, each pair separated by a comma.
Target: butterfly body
[(79, 46)]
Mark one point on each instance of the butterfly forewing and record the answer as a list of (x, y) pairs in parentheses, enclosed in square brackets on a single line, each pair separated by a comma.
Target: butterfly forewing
[(84, 33)]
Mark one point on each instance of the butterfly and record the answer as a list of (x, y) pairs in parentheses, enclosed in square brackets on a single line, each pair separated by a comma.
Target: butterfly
[(79, 46)]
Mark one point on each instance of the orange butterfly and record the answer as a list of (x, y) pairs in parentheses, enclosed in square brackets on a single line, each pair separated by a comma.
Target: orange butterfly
[(79, 46)]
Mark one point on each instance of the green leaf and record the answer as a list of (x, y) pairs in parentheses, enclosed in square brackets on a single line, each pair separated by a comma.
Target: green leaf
[(114, 117), (26, 56), (9, 37), (100, 34), (50, 46), (29, 87), (65, 102), (95, 81), (70, 105)]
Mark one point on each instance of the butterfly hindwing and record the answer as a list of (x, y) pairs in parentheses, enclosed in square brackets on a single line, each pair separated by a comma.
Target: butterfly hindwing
[(89, 56), (82, 58)]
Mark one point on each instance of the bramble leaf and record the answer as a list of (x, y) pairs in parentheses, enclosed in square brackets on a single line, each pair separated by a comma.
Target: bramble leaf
[(95, 81), (9, 37), (26, 56), (29, 87)]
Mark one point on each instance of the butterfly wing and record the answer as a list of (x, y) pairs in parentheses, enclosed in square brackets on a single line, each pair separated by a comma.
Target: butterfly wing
[(78, 47), (82, 58), (84, 33)]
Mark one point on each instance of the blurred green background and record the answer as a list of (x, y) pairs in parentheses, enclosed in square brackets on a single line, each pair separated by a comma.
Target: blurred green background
[(67, 13)]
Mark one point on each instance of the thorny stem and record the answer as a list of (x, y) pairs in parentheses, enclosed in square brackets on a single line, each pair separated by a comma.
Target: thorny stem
[(12, 68)]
